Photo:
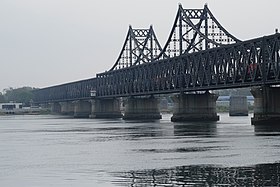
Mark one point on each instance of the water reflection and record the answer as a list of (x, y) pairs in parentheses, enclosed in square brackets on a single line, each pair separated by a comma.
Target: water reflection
[(195, 129), (267, 130), (203, 175)]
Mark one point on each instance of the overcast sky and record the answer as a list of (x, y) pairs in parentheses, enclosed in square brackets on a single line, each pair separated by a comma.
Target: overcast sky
[(50, 42)]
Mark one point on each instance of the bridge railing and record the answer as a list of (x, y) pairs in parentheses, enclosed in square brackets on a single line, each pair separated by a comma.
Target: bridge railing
[(248, 63)]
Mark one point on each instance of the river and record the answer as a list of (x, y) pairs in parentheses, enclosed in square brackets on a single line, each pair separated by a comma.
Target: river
[(47, 150)]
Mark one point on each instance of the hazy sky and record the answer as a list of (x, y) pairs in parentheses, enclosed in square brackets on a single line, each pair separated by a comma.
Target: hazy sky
[(49, 42)]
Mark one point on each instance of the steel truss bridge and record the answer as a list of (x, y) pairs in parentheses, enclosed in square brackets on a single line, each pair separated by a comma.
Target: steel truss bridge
[(200, 54)]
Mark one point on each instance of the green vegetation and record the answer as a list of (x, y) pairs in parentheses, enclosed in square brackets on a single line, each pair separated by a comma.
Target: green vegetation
[(225, 108), (222, 108), (237, 91), (2, 98), (20, 95)]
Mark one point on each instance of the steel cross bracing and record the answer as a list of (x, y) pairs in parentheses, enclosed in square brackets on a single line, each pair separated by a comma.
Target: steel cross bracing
[(66, 92), (248, 63), (140, 46), (195, 30)]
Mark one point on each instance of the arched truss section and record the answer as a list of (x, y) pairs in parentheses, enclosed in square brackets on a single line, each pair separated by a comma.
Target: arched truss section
[(195, 30), (140, 46)]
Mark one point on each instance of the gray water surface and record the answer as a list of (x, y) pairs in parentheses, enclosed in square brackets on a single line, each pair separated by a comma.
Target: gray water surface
[(59, 151)]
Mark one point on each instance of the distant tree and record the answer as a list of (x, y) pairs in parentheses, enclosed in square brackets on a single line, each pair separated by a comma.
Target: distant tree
[(237, 91), (20, 95), (2, 98)]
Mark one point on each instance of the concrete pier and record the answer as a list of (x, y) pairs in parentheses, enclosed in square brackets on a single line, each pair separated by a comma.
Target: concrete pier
[(105, 108), (67, 108), (195, 107), (82, 109), (142, 108), (266, 105), (55, 108), (238, 106)]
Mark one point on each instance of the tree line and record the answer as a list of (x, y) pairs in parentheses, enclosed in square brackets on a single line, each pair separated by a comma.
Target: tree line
[(22, 95)]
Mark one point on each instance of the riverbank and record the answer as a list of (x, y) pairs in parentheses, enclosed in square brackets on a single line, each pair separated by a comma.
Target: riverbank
[(25, 111)]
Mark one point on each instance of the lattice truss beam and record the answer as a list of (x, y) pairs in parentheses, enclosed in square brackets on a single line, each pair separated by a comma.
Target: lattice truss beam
[(66, 92), (195, 30), (249, 63), (140, 46)]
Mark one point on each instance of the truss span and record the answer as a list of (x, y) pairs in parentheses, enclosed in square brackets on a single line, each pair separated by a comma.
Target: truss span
[(195, 30), (140, 46), (249, 63), (66, 92), (199, 54)]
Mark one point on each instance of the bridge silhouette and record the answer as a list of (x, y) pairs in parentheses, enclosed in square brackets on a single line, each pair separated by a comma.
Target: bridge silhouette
[(199, 55)]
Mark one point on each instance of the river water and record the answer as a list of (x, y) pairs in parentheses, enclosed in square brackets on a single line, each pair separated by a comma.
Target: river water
[(57, 151)]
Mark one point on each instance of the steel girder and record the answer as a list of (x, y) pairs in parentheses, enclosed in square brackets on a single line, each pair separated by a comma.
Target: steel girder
[(66, 92), (243, 64)]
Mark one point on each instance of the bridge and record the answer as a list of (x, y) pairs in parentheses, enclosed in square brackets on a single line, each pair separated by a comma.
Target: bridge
[(199, 55)]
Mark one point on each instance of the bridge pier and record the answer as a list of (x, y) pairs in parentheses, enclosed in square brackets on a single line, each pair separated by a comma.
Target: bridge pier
[(55, 108), (105, 108), (82, 109), (238, 106), (67, 108), (266, 105), (137, 108), (195, 107)]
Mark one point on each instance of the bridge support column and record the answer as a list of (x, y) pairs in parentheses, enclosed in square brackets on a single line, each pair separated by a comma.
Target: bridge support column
[(238, 106), (266, 105), (67, 108), (55, 108), (142, 108), (195, 107), (105, 108), (82, 109), (45, 105)]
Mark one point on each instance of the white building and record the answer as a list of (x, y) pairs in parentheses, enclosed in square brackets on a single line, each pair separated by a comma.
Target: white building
[(10, 108)]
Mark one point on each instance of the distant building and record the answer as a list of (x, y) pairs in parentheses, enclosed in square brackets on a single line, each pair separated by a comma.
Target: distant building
[(17, 108), (10, 106)]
